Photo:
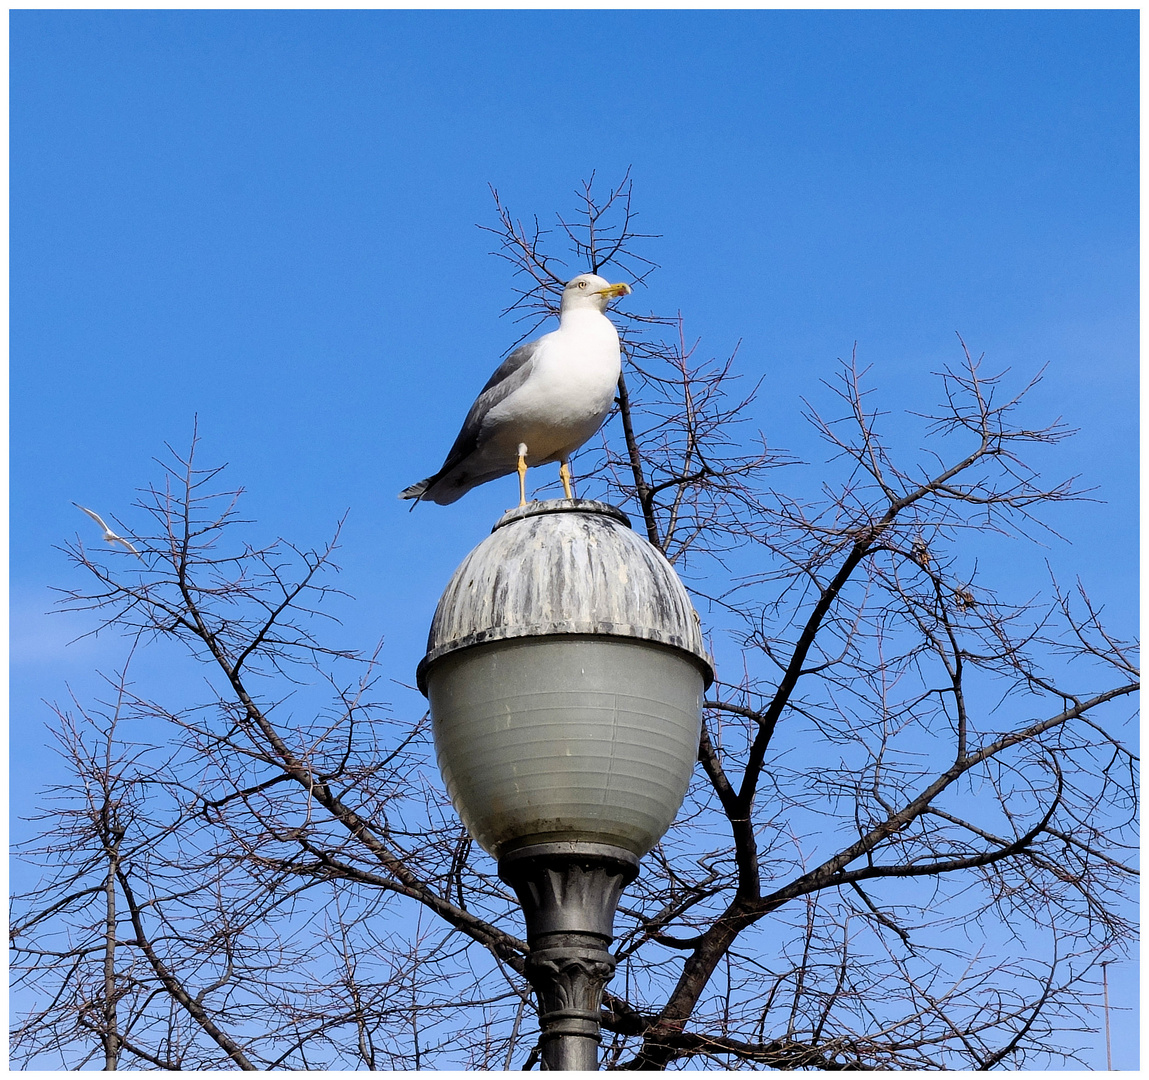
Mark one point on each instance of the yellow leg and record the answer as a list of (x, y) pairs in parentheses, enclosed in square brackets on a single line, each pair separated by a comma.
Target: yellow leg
[(565, 476), (522, 474)]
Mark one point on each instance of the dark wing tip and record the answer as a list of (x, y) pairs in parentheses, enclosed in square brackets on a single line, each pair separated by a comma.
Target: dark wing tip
[(415, 491)]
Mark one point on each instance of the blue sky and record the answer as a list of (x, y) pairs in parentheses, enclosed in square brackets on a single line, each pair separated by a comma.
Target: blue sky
[(267, 219)]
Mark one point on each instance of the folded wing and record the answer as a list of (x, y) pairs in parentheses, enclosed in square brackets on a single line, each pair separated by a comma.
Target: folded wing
[(465, 466)]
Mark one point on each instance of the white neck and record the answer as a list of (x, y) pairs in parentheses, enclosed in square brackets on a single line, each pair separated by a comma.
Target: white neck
[(578, 314)]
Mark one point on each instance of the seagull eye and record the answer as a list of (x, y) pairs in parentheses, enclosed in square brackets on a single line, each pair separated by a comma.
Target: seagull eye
[(582, 284)]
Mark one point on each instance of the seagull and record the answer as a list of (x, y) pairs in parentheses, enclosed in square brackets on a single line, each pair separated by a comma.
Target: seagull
[(111, 537), (545, 400)]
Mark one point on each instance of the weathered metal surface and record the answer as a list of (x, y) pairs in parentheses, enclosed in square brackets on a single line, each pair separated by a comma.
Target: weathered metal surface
[(565, 566)]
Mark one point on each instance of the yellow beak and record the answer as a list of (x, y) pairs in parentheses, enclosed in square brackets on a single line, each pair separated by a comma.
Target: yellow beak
[(611, 291)]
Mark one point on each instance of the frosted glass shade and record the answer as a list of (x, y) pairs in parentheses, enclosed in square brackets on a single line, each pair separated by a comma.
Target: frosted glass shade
[(566, 738)]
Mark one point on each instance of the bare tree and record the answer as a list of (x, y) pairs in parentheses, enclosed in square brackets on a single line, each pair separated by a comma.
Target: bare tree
[(907, 844)]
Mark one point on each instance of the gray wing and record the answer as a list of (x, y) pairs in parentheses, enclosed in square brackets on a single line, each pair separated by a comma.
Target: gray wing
[(510, 375)]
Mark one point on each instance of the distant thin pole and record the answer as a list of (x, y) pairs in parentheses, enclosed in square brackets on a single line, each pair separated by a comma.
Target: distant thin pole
[(1105, 988)]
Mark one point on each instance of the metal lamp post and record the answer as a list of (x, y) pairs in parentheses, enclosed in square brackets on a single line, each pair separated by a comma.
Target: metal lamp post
[(565, 669)]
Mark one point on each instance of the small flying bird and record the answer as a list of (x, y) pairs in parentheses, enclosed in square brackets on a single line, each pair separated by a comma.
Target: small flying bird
[(111, 537), (545, 400)]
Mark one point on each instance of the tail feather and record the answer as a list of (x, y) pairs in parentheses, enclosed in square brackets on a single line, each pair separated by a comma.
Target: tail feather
[(446, 488), (416, 491), (454, 480)]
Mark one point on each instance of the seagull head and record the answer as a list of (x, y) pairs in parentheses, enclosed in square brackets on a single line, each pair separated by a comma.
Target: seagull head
[(591, 291)]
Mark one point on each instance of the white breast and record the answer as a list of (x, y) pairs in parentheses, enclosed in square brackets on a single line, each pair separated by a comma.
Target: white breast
[(569, 392)]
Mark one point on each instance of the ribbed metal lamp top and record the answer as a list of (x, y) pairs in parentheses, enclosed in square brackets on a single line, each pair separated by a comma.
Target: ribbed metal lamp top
[(564, 566)]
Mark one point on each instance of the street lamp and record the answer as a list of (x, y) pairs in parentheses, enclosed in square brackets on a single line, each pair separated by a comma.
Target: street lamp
[(565, 669)]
